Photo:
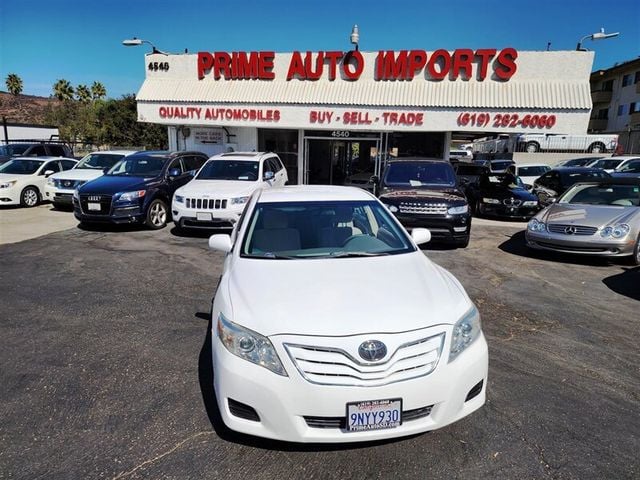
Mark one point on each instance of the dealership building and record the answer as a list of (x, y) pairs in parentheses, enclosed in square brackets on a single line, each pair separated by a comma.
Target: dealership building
[(333, 115)]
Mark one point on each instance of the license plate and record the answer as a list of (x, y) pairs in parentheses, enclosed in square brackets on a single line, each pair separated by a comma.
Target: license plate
[(93, 206), (374, 415), (203, 216)]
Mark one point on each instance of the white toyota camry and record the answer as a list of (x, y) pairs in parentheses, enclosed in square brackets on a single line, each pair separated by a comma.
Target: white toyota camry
[(330, 325)]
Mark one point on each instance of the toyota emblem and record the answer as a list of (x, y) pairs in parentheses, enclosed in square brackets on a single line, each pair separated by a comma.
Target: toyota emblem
[(372, 350), (570, 230)]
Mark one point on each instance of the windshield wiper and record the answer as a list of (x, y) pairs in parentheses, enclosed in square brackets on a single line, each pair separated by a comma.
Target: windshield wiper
[(276, 256), (357, 254)]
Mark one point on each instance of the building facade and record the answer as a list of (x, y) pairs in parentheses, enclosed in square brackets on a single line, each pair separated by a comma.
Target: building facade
[(332, 116), (616, 103)]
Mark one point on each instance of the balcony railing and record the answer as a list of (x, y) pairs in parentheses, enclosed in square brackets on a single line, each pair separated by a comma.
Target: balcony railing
[(601, 96)]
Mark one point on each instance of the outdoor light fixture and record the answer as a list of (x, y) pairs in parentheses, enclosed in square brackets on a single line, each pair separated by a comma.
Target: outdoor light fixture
[(595, 36), (134, 42), (355, 36)]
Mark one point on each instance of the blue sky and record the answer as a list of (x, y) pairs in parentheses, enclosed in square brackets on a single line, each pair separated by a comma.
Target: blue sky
[(43, 41)]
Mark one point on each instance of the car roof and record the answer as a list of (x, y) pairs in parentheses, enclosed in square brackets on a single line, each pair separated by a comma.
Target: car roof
[(624, 157), (576, 169), (417, 159), (314, 193), (532, 165), (44, 158), (635, 181), (116, 152), (165, 153), (241, 155)]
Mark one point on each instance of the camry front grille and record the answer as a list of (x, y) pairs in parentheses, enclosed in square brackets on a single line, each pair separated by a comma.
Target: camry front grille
[(424, 208), (333, 366), (569, 229), (206, 203), (341, 422)]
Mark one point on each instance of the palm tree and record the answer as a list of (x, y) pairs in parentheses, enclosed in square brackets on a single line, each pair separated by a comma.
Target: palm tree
[(83, 93), (14, 84), (63, 90), (98, 91)]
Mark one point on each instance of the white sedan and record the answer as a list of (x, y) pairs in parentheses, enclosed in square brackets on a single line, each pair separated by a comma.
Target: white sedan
[(530, 172), (22, 180), (330, 325)]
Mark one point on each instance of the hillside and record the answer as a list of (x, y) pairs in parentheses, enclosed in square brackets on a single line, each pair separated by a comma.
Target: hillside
[(25, 108)]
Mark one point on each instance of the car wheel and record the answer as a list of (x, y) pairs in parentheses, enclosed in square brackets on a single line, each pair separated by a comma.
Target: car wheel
[(635, 259), (30, 197), (157, 214), (477, 210), (532, 147)]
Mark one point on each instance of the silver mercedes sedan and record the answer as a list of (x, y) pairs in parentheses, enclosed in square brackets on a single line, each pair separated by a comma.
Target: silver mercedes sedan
[(595, 218)]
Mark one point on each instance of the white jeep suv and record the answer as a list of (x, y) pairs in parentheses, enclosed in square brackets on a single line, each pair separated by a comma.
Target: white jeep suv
[(218, 193)]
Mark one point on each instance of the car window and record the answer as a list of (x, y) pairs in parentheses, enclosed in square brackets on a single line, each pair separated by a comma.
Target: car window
[(631, 167), (532, 171), (53, 165), (175, 163), (21, 166), (193, 163), (245, 170), (618, 195), (418, 174), (469, 170), (67, 164), (139, 166), (56, 150), (36, 151), (267, 167)]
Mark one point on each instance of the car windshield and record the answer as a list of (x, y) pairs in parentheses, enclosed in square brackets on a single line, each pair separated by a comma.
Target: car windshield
[(569, 179), (419, 174), (139, 166), (577, 162), (311, 230), (604, 163), (99, 161), (470, 170), (618, 195), (13, 150), (495, 166), (245, 170), (533, 171), (21, 167), (631, 167)]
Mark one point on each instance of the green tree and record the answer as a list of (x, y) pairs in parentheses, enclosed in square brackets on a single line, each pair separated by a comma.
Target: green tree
[(98, 91), (63, 90), (83, 94), (14, 84)]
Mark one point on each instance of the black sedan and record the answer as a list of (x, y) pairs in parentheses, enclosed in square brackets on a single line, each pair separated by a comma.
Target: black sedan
[(558, 180), (501, 196)]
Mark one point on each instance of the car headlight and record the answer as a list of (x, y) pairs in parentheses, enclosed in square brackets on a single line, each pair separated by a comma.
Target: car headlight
[(51, 181), (178, 198), (391, 208), (458, 210), (131, 196), (535, 225), (530, 203), (249, 345), (465, 331), (616, 231), (8, 184), (491, 200), (239, 200)]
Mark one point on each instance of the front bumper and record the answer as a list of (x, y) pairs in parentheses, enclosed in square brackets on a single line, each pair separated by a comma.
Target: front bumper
[(503, 211), (592, 245), (221, 218), (282, 403), (114, 213), (58, 196), (442, 227), (9, 196)]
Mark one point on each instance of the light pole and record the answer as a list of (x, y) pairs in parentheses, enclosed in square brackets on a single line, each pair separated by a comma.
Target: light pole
[(595, 36), (134, 42), (355, 36)]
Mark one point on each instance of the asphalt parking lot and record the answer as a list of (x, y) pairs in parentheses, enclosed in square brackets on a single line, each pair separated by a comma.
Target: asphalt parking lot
[(106, 368)]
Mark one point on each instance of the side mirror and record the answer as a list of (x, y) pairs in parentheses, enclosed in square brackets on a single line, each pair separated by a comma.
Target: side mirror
[(552, 199), (267, 176), (374, 179), (174, 172), (420, 235), (220, 242), (48, 172)]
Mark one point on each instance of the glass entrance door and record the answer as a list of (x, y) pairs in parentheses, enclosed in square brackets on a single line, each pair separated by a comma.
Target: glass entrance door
[(340, 162)]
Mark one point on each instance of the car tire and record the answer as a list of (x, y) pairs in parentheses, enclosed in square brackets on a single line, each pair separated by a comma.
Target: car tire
[(597, 148), (532, 147), (635, 258), (463, 243), (157, 215), (476, 211), (29, 197)]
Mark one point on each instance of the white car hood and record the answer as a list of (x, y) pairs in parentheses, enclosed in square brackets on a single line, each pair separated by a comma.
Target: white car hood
[(219, 188), (346, 296), (78, 174)]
